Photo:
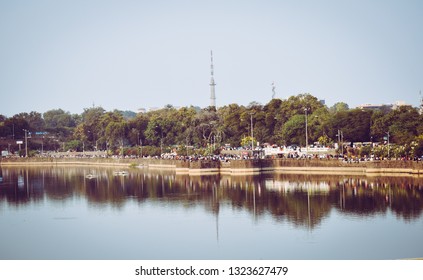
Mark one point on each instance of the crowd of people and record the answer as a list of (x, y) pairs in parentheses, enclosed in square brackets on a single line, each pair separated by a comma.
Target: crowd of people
[(226, 154)]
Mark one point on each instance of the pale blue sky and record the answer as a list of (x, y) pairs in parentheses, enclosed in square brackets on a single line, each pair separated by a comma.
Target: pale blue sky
[(131, 54)]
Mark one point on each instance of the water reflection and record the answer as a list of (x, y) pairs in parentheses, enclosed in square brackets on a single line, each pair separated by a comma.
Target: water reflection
[(301, 200)]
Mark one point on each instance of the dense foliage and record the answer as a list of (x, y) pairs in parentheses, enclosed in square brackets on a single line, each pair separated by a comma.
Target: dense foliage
[(280, 122)]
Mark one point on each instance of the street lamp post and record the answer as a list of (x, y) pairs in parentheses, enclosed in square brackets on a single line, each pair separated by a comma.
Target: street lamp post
[(186, 145), (161, 139), (95, 141), (121, 146), (26, 142), (140, 144), (252, 134), (306, 130), (161, 143), (341, 141)]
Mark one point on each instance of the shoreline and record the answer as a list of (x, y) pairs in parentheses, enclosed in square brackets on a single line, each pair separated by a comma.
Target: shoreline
[(238, 167)]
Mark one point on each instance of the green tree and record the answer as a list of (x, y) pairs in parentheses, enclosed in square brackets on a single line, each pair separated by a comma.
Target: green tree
[(57, 118), (73, 145), (258, 116), (34, 120), (295, 105), (112, 129), (232, 126), (324, 140), (247, 140), (339, 107), (95, 123), (15, 126), (418, 149), (273, 119), (115, 133), (206, 123), (354, 124), (293, 131), (319, 125), (156, 130), (59, 123), (403, 125), (137, 127)]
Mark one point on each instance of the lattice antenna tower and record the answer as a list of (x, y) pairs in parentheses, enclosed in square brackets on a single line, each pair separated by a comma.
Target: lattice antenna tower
[(273, 90), (212, 83)]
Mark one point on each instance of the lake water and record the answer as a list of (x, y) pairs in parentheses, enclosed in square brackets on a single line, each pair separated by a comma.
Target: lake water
[(94, 213)]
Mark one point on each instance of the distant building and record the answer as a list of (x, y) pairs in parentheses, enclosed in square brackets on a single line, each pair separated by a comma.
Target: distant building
[(393, 106), (398, 104), (374, 106), (151, 109)]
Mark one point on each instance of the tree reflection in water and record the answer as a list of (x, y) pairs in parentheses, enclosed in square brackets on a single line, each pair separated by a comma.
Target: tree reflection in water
[(302, 200)]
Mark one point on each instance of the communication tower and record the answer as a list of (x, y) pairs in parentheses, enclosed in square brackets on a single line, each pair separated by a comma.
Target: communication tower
[(212, 84)]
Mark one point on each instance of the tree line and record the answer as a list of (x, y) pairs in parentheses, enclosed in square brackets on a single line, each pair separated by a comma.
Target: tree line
[(280, 122)]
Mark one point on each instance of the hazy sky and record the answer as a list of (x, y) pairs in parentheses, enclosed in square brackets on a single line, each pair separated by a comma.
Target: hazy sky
[(139, 54)]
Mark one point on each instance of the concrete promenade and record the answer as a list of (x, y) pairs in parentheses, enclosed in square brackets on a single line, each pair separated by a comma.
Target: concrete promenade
[(238, 167)]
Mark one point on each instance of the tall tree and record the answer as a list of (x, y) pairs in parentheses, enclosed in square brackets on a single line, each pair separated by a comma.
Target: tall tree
[(404, 123), (293, 131), (137, 127), (354, 124), (14, 127), (234, 125), (273, 119), (339, 107)]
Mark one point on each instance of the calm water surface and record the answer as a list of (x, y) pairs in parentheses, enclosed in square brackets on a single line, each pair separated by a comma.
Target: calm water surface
[(93, 213)]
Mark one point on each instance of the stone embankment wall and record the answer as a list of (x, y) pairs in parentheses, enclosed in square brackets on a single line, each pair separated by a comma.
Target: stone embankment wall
[(238, 167), (326, 166)]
